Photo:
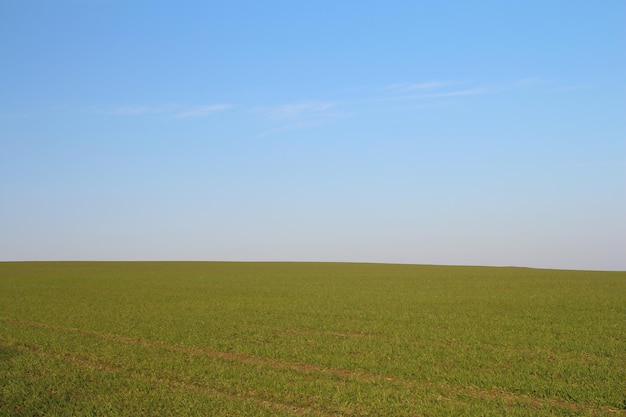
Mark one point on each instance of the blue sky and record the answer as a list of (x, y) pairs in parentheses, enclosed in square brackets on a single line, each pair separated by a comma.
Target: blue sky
[(480, 133)]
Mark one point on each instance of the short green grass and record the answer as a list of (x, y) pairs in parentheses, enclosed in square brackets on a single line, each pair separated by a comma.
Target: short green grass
[(311, 339)]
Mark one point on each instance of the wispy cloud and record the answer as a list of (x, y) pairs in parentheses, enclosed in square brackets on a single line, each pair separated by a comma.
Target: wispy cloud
[(314, 113), (300, 115), (423, 91), (449, 89), (203, 110)]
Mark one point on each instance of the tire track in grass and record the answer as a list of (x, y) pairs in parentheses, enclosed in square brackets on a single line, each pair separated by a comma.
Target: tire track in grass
[(538, 402), (103, 366), (230, 356), (362, 376)]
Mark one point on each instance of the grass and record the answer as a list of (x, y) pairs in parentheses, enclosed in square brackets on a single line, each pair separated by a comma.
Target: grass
[(312, 339)]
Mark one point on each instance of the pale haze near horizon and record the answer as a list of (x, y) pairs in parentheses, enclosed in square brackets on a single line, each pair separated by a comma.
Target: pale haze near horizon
[(474, 133)]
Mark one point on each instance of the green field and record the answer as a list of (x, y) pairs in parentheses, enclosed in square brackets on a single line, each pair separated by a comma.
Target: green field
[(310, 339)]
